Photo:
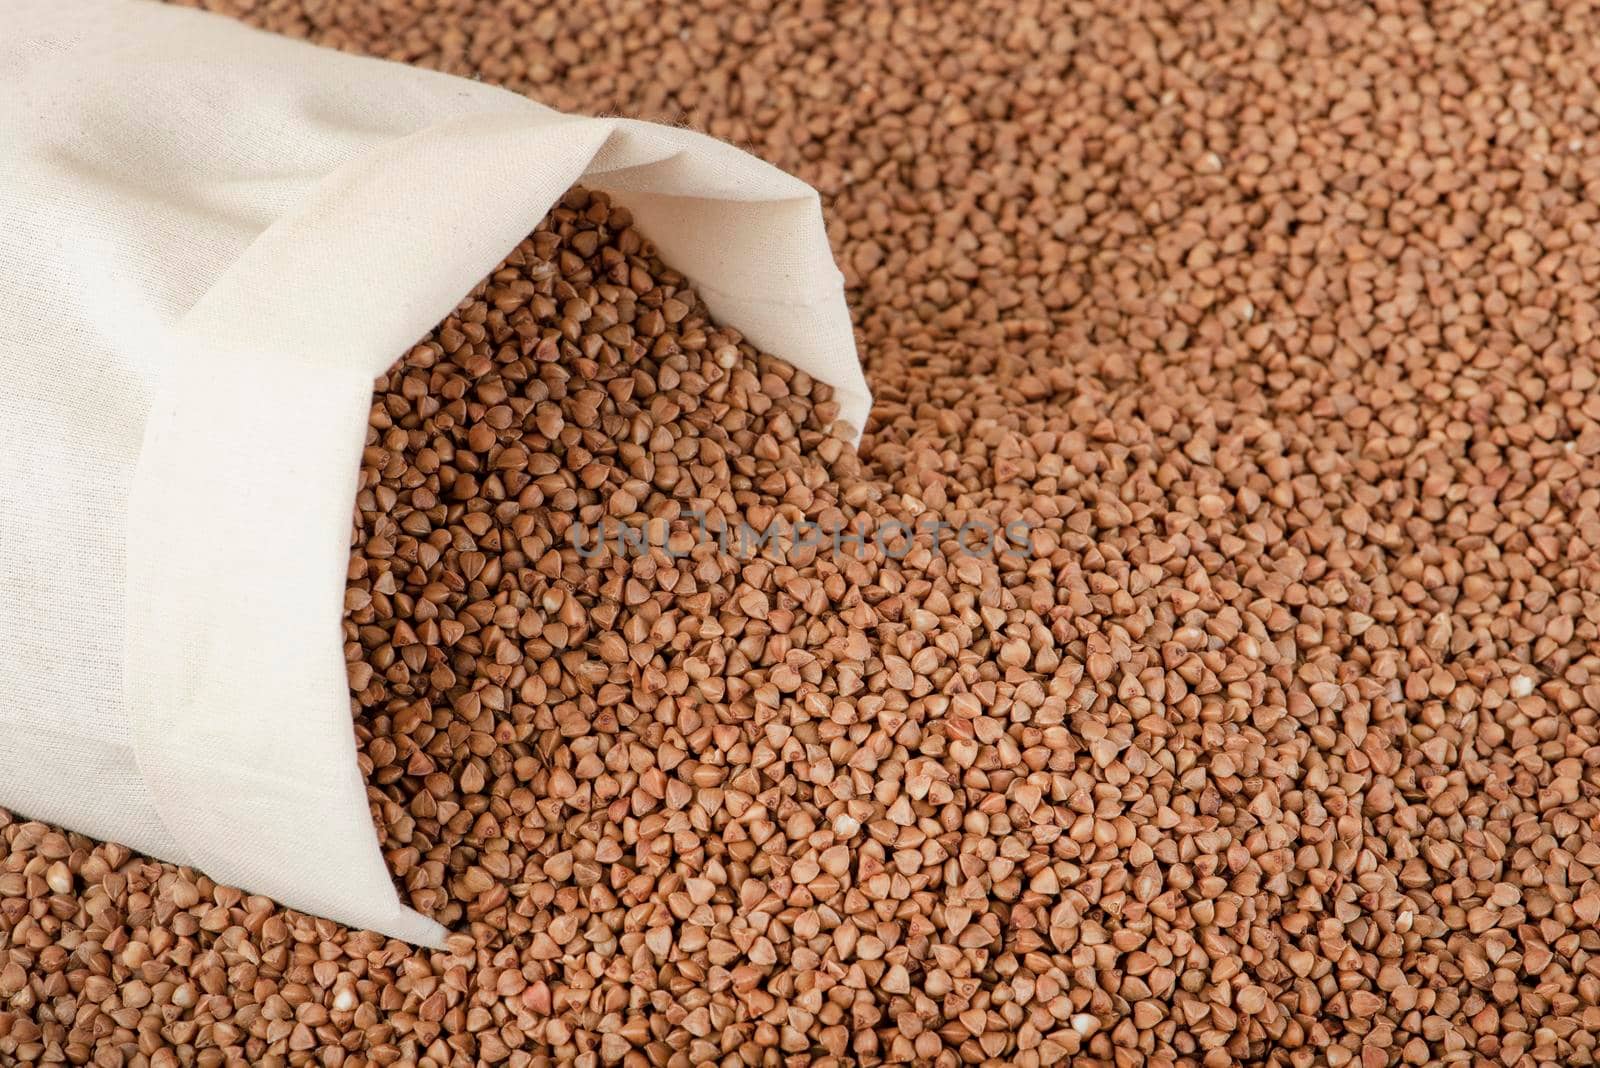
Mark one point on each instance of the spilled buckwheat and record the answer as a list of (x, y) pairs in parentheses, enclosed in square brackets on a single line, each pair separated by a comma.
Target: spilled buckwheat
[(1275, 329)]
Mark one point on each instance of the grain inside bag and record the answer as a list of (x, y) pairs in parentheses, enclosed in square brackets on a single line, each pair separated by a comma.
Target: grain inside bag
[(211, 241)]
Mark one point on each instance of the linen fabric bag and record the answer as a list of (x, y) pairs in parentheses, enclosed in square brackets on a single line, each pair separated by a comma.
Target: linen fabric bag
[(212, 240)]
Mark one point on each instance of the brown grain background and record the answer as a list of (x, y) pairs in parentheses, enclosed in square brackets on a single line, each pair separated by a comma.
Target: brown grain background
[(1280, 320)]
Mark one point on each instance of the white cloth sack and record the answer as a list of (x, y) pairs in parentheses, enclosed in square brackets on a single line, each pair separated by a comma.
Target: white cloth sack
[(212, 240)]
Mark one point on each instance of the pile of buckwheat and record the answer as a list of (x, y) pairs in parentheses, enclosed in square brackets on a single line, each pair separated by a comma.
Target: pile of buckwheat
[(1274, 737)]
